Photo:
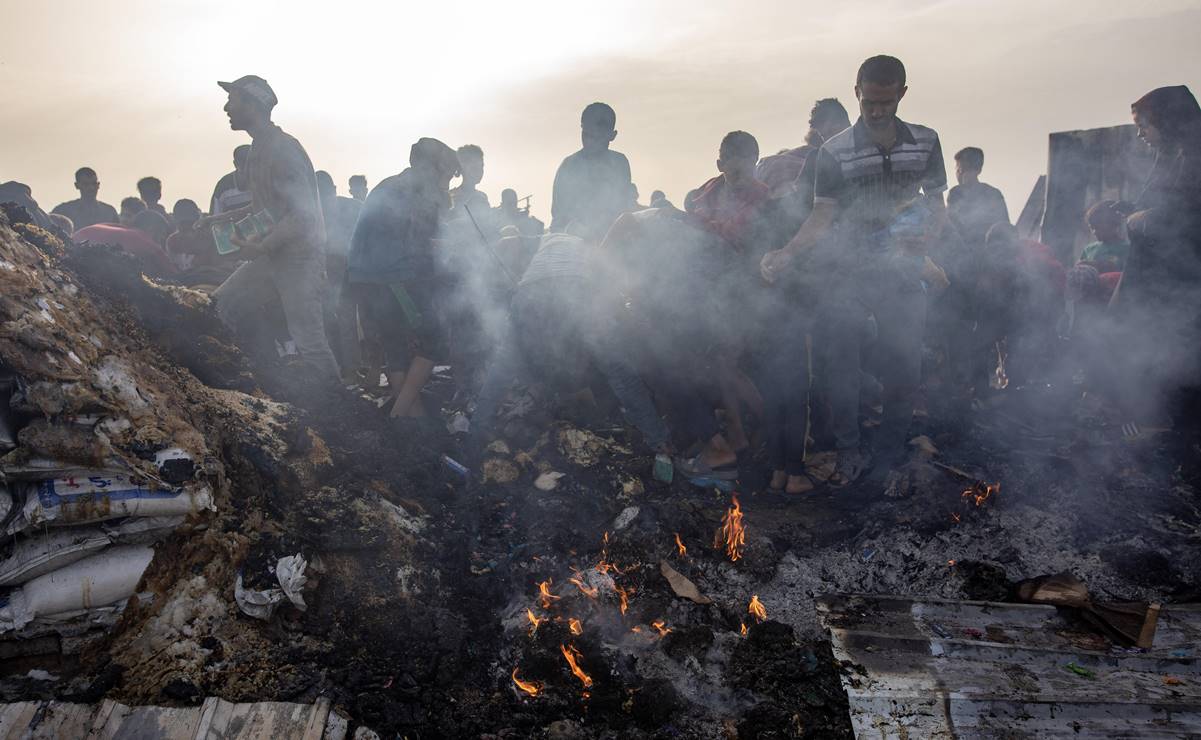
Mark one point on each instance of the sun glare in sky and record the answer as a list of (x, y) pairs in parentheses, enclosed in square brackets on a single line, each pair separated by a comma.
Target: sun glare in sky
[(128, 87)]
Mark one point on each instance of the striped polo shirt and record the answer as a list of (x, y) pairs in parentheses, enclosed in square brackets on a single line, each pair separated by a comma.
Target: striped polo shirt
[(870, 184)]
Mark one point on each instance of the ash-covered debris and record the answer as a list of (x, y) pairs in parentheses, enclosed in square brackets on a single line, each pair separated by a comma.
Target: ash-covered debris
[(423, 608)]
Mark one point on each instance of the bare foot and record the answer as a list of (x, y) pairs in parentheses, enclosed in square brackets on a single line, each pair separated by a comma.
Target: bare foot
[(778, 479), (799, 484)]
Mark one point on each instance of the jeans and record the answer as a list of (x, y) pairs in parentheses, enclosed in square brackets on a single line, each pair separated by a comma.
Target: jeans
[(299, 282)]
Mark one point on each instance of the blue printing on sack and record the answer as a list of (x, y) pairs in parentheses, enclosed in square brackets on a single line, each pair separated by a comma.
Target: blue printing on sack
[(50, 497)]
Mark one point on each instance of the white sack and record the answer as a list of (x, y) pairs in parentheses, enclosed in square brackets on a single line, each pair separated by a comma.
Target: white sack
[(99, 580)]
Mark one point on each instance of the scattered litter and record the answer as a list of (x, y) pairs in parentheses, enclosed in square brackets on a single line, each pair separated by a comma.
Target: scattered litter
[(586, 449), (924, 445), (664, 470), (500, 470), (499, 447), (682, 587), (1079, 671), (408, 522), (454, 466), (290, 573), (459, 424), (627, 515), (548, 481), (38, 674), (724, 486), (261, 604)]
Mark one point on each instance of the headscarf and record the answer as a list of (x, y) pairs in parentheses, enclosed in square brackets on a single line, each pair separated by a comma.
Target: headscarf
[(1174, 111)]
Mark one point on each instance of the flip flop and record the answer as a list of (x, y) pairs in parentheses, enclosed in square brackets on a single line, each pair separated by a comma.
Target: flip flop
[(695, 467)]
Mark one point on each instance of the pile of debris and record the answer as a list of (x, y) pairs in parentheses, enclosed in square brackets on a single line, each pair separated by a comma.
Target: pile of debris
[(148, 513), (318, 552)]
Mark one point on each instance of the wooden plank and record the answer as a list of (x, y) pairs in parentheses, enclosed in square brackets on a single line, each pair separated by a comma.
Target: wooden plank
[(15, 719), (1011, 675), (160, 723), (106, 725), (258, 721), (207, 711), (1031, 625), (57, 719), (336, 727), (318, 713)]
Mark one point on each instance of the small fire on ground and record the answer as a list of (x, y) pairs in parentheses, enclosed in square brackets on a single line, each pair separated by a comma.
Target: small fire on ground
[(573, 656), (981, 492), (545, 595), (532, 688), (732, 535), (756, 609)]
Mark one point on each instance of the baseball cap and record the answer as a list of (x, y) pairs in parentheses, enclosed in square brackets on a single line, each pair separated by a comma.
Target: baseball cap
[(254, 86)]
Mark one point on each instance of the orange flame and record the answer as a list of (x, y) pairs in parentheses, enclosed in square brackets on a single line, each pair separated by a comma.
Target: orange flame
[(732, 535), (547, 597), (534, 620), (981, 492), (625, 598), (636, 628), (661, 626), (573, 656), (533, 688), (575, 626), (590, 591), (680, 545), (756, 609), (743, 630), (951, 563)]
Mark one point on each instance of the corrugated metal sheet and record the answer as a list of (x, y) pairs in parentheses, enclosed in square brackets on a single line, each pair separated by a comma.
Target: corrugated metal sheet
[(964, 669), (215, 718)]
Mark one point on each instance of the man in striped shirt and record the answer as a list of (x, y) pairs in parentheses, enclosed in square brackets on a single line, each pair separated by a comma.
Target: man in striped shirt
[(870, 263)]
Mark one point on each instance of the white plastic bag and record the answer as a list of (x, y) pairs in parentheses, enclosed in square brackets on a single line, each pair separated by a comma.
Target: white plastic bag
[(96, 581), (289, 572)]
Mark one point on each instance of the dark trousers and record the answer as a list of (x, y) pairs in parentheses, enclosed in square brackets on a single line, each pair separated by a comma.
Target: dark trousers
[(785, 376), (899, 306)]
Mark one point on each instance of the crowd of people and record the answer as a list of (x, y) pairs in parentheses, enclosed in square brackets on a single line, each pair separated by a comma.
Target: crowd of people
[(792, 295)]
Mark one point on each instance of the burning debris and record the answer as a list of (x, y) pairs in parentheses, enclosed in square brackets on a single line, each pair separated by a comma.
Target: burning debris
[(756, 609), (573, 658), (531, 688), (732, 535)]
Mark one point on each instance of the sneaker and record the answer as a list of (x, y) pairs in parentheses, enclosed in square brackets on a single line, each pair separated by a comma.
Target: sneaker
[(848, 466)]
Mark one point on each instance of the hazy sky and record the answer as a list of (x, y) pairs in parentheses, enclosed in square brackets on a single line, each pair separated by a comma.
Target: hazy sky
[(128, 86)]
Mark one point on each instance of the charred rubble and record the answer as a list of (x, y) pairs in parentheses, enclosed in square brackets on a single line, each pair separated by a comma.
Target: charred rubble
[(569, 594)]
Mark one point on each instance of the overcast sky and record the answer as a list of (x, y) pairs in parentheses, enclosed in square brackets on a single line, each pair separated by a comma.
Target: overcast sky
[(128, 86)]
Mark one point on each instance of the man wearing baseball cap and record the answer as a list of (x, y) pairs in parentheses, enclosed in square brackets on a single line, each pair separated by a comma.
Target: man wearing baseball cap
[(288, 259)]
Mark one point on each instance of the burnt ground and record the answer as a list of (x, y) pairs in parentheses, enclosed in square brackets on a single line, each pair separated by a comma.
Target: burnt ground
[(417, 613)]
